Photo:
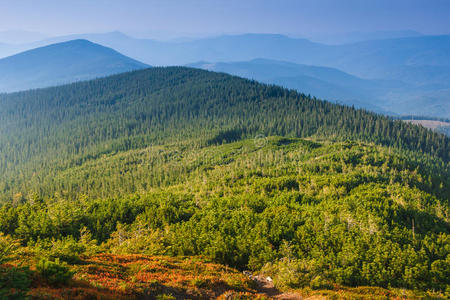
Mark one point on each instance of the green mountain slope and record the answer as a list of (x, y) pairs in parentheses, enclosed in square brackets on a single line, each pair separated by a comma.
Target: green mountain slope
[(45, 131), (382, 96), (310, 214), (326, 83), (180, 161)]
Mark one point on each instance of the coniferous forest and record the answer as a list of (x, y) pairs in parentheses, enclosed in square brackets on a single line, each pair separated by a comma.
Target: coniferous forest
[(186, 164)]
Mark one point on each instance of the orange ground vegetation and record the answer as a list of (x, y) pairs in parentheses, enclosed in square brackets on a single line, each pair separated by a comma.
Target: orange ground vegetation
[(109, 276)]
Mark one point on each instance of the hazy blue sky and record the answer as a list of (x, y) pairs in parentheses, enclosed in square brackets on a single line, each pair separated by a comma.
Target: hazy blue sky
[(183, 17)]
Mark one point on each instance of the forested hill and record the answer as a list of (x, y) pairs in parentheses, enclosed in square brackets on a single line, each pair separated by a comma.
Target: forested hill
[(55, 128), (185, 162)]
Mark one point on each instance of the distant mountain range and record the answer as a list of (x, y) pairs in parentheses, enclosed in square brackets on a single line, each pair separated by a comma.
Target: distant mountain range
[(322, 82), (62, 63), (358, 36), (374, 59), (382, 96), (398, 72)]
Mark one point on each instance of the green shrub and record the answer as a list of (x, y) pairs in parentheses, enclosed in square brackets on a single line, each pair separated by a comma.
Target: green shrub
[(14, 282), (165, 297), (319, 282), (8, 246), (136, 239), (66, 249), (440, 272), (54, 272), (200, 283), (290, 273)]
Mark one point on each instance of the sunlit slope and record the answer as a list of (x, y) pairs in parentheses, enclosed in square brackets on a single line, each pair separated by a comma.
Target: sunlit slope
[(50, 130), (308, 213)]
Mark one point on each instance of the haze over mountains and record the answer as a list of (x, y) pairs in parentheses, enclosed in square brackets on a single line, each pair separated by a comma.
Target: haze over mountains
[(218, 149), (62, 63), (368, 59), (21, 36), (359, 36), (183, 162), (322, 82), (383, 96), (401, 73)]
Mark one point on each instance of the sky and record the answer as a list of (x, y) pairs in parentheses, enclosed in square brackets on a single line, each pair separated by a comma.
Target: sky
[(176, 18)]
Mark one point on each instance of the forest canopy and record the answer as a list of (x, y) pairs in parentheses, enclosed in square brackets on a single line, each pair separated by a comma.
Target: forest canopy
[(184, 162)]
